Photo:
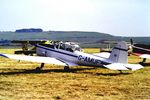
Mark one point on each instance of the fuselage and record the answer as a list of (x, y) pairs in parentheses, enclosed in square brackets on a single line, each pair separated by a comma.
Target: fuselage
[(141, 48), (76, 57)]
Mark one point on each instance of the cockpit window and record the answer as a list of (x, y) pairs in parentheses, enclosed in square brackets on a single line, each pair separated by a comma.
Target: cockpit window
[(69, 49), (78, 49), (68, 46)]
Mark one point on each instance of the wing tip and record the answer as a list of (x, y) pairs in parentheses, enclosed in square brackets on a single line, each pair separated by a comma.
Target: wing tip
[(3, 55)]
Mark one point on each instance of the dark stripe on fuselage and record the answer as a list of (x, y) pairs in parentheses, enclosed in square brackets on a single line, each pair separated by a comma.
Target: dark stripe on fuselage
[(105, 63), (56, 51), (120, 49)]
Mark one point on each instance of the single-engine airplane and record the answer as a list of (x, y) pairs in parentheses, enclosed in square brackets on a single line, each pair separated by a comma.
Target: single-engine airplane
[(141, 50), (28, 46), (70, 54)]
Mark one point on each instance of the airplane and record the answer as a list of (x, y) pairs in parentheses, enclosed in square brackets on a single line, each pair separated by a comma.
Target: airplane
[(69, 54), (28, 46), (140, 50)]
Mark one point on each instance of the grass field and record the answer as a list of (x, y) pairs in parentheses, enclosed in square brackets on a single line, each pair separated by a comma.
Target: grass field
[(19, 81)]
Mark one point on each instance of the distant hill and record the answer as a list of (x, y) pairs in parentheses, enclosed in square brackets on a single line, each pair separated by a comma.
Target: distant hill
[(29, 30), (86, 39), (56, 35)]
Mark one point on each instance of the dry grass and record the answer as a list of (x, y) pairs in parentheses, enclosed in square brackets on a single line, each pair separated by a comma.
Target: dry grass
[(20, 81)]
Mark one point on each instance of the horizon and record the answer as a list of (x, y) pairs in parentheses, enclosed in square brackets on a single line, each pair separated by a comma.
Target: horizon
[(69, 31), (119, 18)]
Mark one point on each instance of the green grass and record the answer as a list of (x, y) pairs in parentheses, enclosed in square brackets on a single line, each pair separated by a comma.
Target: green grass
[(18, 81)]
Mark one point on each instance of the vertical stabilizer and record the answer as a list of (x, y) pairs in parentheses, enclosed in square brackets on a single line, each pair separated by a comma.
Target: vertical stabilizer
[(119, 53)]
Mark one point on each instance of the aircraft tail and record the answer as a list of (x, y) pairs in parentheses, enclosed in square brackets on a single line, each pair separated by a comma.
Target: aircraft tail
[(119, 58), (119, 53)]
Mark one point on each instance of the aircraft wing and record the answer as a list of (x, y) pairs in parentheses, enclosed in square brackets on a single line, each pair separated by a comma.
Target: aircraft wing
[(38, 59), (119, 66), (147, 56), (102, 54)]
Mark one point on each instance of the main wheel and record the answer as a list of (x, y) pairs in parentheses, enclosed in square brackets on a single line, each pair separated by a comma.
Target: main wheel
[(66, 68), (38, 69)]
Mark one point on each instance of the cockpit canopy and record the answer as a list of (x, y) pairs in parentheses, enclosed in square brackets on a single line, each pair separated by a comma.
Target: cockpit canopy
[(67, 46)]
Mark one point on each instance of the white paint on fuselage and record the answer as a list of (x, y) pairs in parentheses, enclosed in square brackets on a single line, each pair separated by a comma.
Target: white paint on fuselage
[(90, 60), (57, 53), (75, 57)]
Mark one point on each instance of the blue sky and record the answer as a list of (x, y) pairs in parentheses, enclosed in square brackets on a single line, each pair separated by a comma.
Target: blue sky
[(116, 17)]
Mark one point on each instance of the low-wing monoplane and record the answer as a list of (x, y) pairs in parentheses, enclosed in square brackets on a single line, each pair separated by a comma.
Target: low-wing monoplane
[(141, 50), (70, 54)]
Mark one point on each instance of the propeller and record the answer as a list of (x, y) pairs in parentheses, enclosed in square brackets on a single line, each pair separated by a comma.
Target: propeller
[(131, 41)]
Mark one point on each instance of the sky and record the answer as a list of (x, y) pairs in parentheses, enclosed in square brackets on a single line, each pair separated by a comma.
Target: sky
[(116, 17)]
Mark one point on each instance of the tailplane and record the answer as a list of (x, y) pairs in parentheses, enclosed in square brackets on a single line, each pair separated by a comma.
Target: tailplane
[(119, 66), (119, 53)]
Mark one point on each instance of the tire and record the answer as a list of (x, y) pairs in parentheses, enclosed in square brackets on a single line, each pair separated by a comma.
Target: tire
[(38, 69), (66, 68)]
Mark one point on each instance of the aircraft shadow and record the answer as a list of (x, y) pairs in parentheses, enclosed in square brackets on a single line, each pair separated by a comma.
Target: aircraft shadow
[(109, 73), (33, 71), (145, 64), (112, 74), (73, 70)]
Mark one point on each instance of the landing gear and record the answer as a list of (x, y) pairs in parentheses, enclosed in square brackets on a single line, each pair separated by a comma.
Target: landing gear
[(66, 68), (120, 71), (39, 68), (144, 60)]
